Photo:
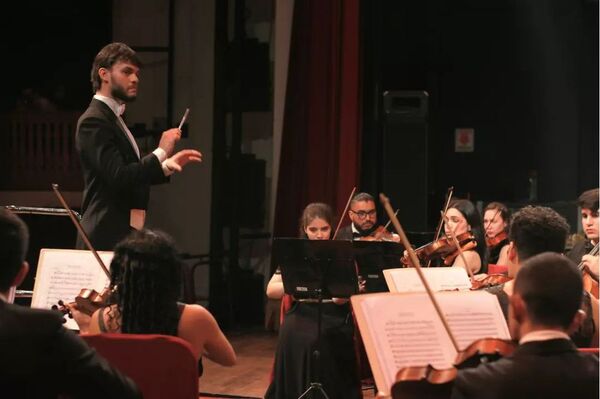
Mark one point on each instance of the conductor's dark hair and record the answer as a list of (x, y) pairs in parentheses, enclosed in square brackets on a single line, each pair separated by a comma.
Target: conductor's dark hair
[(146, 270), (110, 55), (14, 240), (551, 286)]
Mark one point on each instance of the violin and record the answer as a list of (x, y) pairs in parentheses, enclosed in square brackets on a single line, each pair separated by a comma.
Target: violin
[(87, 302), (491, 242), (444, 248), (379, 234), (489, 281)]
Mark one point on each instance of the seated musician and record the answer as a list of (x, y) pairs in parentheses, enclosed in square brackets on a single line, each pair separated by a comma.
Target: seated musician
[(546, 364), (588, 202), (294, 363), (146, 271), (40, 357), (463, 217), (537, 229), (363, 217), (495, 222)]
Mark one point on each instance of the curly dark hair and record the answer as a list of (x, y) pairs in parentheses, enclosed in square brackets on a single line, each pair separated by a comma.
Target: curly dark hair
[(14, 241), (110, 55), (537, 229), (146, 271), (473, 218)]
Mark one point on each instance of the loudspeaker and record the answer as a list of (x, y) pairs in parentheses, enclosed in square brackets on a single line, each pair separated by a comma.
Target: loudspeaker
[(405, 156)]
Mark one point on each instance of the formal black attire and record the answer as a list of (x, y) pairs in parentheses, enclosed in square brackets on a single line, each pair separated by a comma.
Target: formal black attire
[(115, 179), (495, 251), (346, 233), (582, 337), (39, 358), (294, 367), (552, 369)]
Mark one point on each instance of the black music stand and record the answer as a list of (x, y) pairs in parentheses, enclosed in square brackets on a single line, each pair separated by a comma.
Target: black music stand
[(316, 269), (372, 258)]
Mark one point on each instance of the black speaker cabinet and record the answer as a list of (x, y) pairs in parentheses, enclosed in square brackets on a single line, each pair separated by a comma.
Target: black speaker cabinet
[(405, 156)]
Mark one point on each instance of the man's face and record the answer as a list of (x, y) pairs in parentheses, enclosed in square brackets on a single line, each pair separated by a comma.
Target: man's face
[(589, 222), (123, 80), (363, 214)]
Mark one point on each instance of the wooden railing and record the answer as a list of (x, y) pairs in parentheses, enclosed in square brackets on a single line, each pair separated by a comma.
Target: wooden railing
[(39, 149)]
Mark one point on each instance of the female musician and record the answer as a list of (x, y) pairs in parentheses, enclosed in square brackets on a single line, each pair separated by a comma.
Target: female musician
[(294, 362), (146, 271), (495, 222), (588, 202), (463, 217)]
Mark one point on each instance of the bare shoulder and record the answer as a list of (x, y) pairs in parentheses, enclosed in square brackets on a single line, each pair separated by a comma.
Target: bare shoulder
[(196, 314)]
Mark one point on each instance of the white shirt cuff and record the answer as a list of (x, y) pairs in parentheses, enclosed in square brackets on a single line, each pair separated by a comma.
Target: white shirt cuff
[(160, 154)]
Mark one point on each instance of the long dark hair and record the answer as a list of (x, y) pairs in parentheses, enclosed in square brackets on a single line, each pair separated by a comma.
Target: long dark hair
[(146, 270), (473, 218)]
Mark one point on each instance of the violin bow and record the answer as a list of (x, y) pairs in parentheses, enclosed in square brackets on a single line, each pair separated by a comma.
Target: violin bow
[(390, 221), (75, 221), (460, 252), (415, 262), (440, 223), (344, 213)]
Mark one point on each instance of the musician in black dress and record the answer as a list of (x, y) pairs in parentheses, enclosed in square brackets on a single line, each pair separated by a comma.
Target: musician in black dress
[(495, 223), (294, 367)]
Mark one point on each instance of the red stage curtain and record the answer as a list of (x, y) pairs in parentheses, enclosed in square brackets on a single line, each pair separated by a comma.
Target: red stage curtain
[(320, 150)]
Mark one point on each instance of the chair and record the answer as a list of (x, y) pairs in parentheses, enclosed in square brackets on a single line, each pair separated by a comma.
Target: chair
[(162, 366)]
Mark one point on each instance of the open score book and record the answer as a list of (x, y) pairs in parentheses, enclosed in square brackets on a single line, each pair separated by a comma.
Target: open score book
[(403, 329), (62, 273)]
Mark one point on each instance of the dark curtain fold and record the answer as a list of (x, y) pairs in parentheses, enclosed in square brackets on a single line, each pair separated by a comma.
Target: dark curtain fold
[(320, 157)]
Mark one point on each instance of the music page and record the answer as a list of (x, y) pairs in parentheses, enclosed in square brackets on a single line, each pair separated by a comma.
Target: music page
[(402, 330), (439, 279), (62, 273)]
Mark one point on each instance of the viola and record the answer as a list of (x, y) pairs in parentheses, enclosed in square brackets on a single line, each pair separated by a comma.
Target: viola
[(590, 279), (493, 241), (444, 248)]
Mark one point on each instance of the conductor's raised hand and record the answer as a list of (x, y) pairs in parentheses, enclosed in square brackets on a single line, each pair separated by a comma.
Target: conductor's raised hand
[(182, 158), (168, 140)]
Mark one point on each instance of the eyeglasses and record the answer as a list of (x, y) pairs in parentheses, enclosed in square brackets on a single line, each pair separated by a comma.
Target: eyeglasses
[(363, 214)]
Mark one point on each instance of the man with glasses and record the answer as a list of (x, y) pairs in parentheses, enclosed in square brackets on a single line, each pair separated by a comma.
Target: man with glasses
[(363, 216)]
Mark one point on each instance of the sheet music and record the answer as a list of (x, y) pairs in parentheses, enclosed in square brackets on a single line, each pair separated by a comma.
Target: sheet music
[(402, 330), (62, 273), (439, 279)]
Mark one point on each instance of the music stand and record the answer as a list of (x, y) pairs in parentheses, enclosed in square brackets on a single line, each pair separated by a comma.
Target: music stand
[(372, 257), (316, 269)]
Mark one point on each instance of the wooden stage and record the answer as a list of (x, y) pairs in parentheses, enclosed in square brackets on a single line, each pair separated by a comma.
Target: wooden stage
[(255, 351)]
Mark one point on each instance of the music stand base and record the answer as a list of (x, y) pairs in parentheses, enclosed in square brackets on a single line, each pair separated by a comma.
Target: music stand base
[(314, 386)]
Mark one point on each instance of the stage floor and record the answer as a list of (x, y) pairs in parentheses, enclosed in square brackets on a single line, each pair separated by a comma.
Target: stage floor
[(255, 351)]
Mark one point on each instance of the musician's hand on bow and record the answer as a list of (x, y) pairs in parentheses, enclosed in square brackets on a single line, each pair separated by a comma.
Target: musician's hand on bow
[(182, 158), (591, 262), (168, 140)]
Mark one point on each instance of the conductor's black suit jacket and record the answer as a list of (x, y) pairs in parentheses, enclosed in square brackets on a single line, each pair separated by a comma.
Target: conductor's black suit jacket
[(550, 369), (39, 358), (116, 181)]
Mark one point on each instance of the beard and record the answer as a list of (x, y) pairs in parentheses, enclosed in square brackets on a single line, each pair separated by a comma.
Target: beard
[(118, 92)]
